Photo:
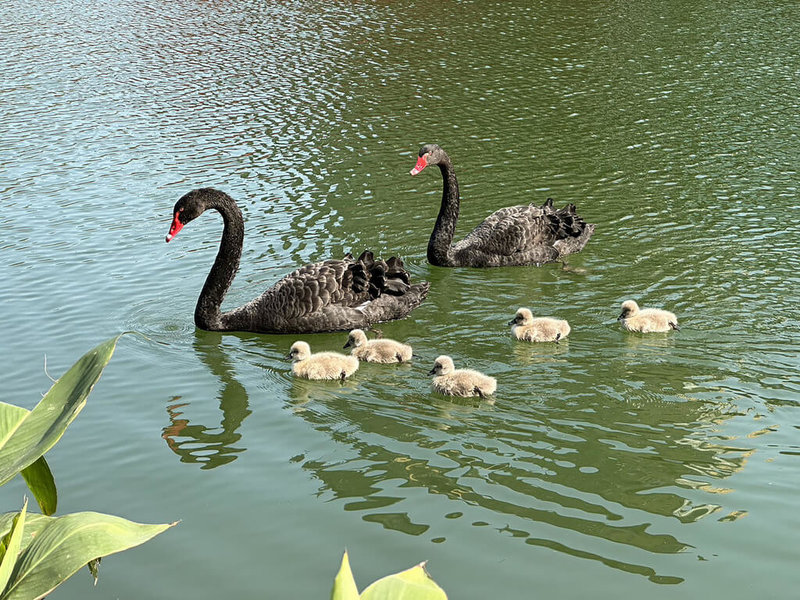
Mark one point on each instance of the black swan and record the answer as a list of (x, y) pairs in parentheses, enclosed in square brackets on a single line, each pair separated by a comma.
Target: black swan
[(333, 295), (517, 235)]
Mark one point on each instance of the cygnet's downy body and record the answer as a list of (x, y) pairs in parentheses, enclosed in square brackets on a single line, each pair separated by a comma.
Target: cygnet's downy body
[(460, 382), (646, 320), (322, 365), (378, 351), (526, 328)]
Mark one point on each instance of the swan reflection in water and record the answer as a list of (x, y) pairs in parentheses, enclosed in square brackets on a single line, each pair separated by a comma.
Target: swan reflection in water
[(210, 446)]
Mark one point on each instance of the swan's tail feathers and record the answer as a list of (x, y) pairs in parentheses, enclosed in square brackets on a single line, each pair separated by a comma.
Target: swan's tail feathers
[(389, 307), (394, 277), (548, 203), (368, 258), (570, 230), (377, 277), (356, 278), (395, 269), (575, 243)]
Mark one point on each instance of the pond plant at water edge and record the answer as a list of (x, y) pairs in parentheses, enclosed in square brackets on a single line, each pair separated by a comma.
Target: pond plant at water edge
[(38, 552), (411, 584)]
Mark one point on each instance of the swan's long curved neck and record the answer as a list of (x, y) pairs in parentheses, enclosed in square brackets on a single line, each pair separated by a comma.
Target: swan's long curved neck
[(445, 228), (207, 313)]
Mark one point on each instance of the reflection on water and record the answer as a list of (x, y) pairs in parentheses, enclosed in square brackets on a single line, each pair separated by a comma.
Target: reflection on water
[(606, 473), (210, 446)]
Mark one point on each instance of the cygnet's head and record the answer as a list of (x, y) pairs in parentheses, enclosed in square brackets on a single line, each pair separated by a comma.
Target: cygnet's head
[(523, 317), (299, 351), (442, 366), (629, 308), (356, 338)]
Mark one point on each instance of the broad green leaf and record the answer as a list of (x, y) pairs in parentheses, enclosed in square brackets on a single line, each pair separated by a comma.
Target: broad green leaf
[(11, 417), (412, 584), (42, 485), (12, 547), (62, 545), (34, 523), (22, 443), (344, 586)]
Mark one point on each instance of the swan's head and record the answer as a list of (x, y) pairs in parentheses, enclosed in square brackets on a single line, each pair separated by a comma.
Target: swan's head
[(523, 317), (429, 154), (299, 351), (189, 207), (356, 338), (629, 308), (442, 366)]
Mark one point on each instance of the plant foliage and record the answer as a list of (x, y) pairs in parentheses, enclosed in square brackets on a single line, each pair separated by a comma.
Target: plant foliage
[(411, 584), (39, 552)]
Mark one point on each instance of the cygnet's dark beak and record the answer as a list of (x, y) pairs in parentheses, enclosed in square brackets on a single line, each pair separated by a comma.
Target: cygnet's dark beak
[(288, 356), (511, 322), (347, 345), (622, 316), (433, 372)]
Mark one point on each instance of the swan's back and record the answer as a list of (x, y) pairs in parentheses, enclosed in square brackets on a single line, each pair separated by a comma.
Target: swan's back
[(525, 234), (335, 295)]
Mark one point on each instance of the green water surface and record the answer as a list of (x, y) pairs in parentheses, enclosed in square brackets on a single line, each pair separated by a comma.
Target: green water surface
[(611, 465)]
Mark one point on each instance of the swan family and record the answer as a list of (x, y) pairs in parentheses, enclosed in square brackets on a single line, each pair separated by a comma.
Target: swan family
[(350, 294)]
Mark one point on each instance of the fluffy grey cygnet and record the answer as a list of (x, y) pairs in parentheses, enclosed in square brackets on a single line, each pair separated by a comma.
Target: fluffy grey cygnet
[(460, 382), (541, 329), (379, 351), (646, 320), (322, 365)]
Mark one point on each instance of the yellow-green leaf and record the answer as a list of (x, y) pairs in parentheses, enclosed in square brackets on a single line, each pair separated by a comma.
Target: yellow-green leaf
[(344, 585), (62, 545), (412, 584), (12, 547)]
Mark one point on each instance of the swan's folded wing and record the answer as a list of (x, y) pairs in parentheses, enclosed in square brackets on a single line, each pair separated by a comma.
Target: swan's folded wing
[(512, 230), (317, 285)]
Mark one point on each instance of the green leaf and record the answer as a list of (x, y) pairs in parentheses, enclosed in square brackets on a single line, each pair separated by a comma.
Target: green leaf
[(62, 545), (23, 441), (11, 417), (12, 547), (344, 586), (42, 485), (412, 584)]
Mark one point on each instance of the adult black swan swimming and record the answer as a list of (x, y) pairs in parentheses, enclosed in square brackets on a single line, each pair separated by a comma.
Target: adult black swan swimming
[(517, 235), (333, 295)]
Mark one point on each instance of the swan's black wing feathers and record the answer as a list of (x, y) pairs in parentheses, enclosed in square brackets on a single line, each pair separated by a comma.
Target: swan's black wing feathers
[(338, 294)]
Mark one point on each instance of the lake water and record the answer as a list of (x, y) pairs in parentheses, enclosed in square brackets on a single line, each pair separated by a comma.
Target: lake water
[(611, 465)]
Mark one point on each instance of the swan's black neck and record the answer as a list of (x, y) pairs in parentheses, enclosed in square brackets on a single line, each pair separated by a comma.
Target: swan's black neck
[(445, 228), (207, 314)]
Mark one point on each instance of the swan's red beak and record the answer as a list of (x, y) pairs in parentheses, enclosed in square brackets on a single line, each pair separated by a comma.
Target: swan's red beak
[(175, 227), (422, 162)]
